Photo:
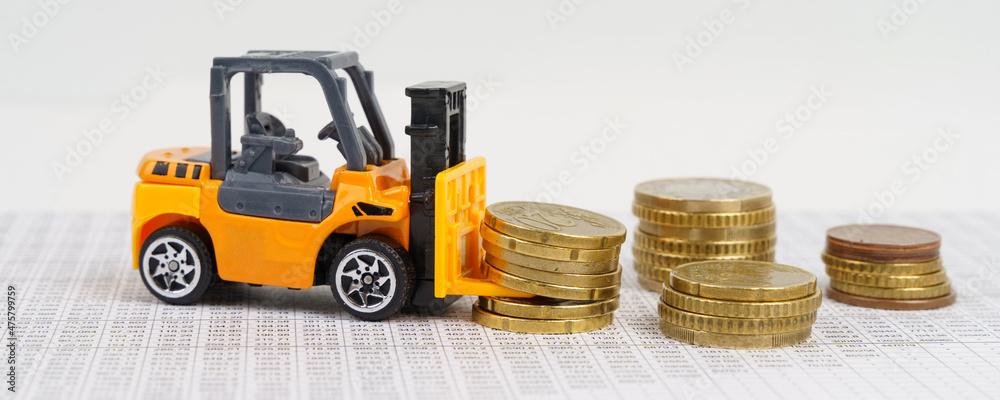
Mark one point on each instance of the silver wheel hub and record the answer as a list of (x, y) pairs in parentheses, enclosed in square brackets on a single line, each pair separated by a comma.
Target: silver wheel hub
[(365, 281), (171, 267)]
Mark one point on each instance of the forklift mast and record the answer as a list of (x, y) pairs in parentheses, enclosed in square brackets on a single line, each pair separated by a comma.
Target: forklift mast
[(437, 142)]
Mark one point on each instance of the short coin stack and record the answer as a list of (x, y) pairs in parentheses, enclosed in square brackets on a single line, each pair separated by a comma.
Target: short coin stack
[(566, 256), (739, 304), (886, 266), (698, 219)]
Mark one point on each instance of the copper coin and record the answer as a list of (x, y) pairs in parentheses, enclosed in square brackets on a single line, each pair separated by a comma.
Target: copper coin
[(883, 243), (889, 304)]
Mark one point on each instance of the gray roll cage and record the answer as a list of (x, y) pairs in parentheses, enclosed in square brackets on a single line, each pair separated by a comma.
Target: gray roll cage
[(321, 65)]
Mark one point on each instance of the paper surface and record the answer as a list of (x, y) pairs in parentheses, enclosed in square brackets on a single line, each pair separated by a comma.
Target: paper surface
[(86, 327)]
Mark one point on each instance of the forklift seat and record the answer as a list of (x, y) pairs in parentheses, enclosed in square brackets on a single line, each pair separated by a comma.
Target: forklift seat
[(267, 133), (303, 168)]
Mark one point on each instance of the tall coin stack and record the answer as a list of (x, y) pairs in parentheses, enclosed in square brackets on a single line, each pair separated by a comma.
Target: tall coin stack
[(886, 266), (566, 256), (698, 219), (739, 304)]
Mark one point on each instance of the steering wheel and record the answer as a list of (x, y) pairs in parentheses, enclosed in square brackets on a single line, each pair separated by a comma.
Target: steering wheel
[(371, 148), (330, 132)]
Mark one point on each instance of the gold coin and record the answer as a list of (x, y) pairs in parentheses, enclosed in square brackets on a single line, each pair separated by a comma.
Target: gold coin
[(926, 292), (546, 326), (554, 225), (661, 273), (703, 195), (882, 269), (743, 280), (739, 342), (741, 309), (650, 283), (546, 308), (568, 267), (546, 251), (653, 272), (887, 281), (556, 278), (547, 289), (703, 248), (703, 220), (735, 326), (749, 232), (672, 260)]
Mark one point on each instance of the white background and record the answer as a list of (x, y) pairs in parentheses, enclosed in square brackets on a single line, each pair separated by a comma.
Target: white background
[(544, 78)]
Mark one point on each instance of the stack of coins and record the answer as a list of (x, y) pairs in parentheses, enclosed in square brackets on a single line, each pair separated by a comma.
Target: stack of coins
[(886, 266), (698, 219), (739, 304), (566, 256)]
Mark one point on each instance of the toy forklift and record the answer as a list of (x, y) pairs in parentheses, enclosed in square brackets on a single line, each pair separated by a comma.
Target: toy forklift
[(382, 236)]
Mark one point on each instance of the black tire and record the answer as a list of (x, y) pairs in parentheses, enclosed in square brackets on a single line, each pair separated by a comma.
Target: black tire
[(176, 265), (372, 277)]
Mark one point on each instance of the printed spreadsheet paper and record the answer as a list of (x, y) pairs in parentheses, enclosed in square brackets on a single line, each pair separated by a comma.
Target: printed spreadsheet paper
[(86, 327)]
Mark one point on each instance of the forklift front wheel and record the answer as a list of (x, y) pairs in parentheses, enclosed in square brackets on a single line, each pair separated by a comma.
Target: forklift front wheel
[(372, 277)]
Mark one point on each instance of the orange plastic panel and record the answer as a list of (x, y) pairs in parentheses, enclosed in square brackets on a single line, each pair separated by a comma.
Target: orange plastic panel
[(459, 206), (172, 166), (152, 200), (283, 253)]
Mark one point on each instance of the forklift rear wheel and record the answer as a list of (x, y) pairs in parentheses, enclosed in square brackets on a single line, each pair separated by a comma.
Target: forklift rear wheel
[(372, 277), (176, 265)]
